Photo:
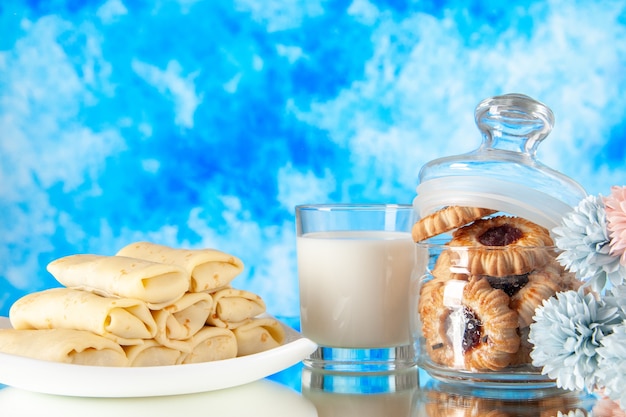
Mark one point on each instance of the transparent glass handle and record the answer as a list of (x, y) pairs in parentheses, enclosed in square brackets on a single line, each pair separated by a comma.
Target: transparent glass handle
[(513, 122)]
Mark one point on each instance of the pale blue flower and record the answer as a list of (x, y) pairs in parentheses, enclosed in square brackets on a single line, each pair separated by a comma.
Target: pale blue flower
[(619, 291), (616, 297), (611, 373), (566, 334), (584, 239)]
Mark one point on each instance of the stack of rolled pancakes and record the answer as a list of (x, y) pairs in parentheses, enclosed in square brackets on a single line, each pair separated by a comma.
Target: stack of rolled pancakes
[(149, 305)]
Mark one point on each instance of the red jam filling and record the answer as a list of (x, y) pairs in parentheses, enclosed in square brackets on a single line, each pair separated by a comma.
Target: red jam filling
[(510, 284), (500, 235), (472, 336)]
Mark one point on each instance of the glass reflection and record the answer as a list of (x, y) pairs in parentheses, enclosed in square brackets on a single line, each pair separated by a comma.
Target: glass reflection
[(373, 395), (414, 393)]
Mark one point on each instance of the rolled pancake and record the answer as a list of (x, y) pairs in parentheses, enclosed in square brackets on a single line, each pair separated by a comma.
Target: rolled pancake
[(119, 276), (210, 269), (211, 344), (78, 347), (151, 353), (233, 307), (259, 335), (126, 321), (182, 319)]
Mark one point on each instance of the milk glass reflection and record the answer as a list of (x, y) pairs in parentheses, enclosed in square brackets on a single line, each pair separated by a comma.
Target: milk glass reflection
[(348, 395)]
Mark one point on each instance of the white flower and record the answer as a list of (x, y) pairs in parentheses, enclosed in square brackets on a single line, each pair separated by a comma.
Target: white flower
[(583, 237), (616, 297), (567, 331), (615, 205), (611, 373), (619, 291)]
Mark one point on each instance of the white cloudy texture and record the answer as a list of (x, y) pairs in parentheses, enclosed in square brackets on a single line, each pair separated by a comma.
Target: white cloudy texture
[(565, 62), (203, 123)]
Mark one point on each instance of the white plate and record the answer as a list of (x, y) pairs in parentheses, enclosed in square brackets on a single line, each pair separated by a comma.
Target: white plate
[(101, 381)]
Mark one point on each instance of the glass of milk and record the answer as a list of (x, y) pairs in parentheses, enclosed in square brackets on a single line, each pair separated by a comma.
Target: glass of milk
[(354, 266)]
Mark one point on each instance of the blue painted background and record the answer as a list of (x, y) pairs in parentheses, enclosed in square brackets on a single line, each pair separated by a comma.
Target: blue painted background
[(202, 123)]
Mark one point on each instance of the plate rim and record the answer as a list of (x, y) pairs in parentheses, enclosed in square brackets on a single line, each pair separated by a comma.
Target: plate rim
[(124, 382)]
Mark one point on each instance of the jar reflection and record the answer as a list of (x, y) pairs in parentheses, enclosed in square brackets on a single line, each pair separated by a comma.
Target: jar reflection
[(439, 400)]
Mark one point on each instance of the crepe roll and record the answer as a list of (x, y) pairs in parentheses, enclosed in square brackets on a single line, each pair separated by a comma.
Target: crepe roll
[(211, 344), (118, 276), (233, 307), (210, 269), (151, 353), (126, 321), (78, 347), (182, 319), (259, 335)]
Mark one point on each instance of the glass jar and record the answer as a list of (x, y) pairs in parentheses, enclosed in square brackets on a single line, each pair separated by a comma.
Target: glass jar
[(486, 257)]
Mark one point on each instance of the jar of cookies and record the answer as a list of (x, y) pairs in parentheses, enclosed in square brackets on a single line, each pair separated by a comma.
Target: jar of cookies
[(486, 256)]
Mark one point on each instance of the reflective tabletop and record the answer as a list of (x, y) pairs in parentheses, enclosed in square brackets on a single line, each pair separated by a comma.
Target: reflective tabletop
[(298, 391)]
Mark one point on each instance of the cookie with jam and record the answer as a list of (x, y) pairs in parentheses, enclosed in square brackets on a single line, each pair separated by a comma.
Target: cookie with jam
[(527, 292), (501, 246), (468, 324)]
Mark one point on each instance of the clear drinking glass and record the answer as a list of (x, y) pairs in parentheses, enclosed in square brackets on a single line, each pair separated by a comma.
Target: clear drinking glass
[(354, 265)]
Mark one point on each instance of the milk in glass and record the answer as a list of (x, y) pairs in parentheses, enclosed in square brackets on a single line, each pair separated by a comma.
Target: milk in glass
[(354, 287)]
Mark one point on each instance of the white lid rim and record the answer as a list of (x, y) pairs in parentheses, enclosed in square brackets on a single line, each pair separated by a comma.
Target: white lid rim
[(512, 198)]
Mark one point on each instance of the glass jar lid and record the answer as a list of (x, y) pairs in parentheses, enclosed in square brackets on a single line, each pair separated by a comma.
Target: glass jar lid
[(503, 173)]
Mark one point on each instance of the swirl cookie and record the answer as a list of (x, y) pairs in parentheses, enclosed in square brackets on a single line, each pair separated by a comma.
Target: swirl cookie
[(527, 292), (542, 284), (502, 245), (495, 345), (433, 315), (468, 324), (446, 219), (522, 357), (447, 266)]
